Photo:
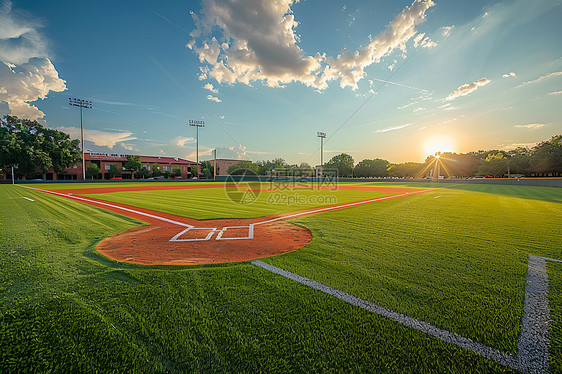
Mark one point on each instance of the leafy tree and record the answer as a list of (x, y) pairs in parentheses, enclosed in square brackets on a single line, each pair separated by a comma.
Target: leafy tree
[(133, 163), (242, 167), (372, 168), (547, 157), (31, 146), (407, 169), (156, 170), (92, 171), (114, 171), (207, 169), (143, 173), (176, 171), (343, 163), (193, 171), (266, 167)]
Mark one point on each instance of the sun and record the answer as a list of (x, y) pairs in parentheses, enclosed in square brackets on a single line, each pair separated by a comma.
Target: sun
[(438, 144)]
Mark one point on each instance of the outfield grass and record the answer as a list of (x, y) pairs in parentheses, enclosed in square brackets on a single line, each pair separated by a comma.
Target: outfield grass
[(61, 310), (454, 257), (214, 203)]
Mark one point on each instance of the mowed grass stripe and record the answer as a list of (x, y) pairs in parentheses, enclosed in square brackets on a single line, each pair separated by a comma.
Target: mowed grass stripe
[(61, 311), (458, 262), (214, 203)]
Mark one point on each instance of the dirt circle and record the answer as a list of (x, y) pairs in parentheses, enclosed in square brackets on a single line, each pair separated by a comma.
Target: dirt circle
[(151, 245)]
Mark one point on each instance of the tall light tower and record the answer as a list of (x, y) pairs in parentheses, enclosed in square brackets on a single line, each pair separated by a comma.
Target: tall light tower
[(321, 135), (197, 124), (82, 104)]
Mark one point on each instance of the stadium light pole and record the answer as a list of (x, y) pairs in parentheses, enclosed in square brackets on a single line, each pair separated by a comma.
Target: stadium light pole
[(321, 135), (82, 104), (197, 124)]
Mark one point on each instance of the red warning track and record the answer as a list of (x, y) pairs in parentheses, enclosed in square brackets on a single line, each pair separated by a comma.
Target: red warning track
[(174, 240)]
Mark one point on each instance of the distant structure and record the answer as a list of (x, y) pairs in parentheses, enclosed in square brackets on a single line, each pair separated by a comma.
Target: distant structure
[(105, 160), (223, 164)]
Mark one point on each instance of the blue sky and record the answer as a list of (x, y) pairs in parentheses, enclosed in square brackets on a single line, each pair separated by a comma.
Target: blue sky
[(396, 79)]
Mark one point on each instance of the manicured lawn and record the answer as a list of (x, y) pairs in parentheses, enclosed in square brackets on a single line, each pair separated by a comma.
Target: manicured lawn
[(450, 257), (453, 257)]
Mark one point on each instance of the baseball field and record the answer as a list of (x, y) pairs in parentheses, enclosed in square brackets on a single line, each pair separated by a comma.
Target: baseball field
[(208, 277)]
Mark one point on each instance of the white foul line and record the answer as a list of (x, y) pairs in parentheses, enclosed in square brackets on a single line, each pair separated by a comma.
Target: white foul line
[(532, 347), (113, 206), (219, 236)]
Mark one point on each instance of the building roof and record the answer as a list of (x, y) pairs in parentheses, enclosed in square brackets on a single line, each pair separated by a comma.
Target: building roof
[(145, 159), (166, 160)]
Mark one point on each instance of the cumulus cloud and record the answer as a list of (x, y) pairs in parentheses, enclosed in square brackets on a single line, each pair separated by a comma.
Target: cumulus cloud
[(28, 82), (393, 128), (447, 30), (467, 88), (213, 98), (255, 40), (531, 126), (26, 73), (509, 75), (101, 138), (423, 41), (181, 141), (209, 86), (546, 76)]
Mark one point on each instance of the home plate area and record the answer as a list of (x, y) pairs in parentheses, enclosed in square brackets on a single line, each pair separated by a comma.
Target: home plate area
[(203, 233)]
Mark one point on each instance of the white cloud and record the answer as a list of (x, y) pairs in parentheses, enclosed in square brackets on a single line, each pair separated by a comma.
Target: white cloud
[(447, 30), (509, 75), (423, 41), (181, 141), (26, 73), (555, 93), (418, 109), (28, 82), (19, 36), (393, 128), (100, 138), (467, 88), (261, 44), (209, 86), (546, 76), (213, 98), (531, 126)]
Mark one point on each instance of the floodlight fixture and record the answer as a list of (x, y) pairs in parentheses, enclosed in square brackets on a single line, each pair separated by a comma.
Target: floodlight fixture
[(197, 124), (87, 104), (321, 135)]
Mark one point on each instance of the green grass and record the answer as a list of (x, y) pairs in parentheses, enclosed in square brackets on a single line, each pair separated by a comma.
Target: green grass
[(215, 203), (452, 258), (554, 271), (455, 258), (60, 310)]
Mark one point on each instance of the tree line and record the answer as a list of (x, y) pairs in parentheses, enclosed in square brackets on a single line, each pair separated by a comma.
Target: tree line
[(31, 147), (542, 160)]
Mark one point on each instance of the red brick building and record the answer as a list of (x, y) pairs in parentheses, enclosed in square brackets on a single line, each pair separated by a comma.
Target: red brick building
[(105, 160), (223, 164)]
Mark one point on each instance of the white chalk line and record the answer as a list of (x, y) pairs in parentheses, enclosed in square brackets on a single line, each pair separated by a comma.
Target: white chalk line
[(113, 206), (220, 235), (532, 346), (21, 197)]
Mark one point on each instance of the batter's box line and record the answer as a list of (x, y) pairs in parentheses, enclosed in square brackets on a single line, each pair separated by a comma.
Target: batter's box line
[(250, 232), (176, 238), (219, 236)]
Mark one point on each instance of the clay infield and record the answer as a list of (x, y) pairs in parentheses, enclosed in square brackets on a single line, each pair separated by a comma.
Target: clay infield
[(169, 239)]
